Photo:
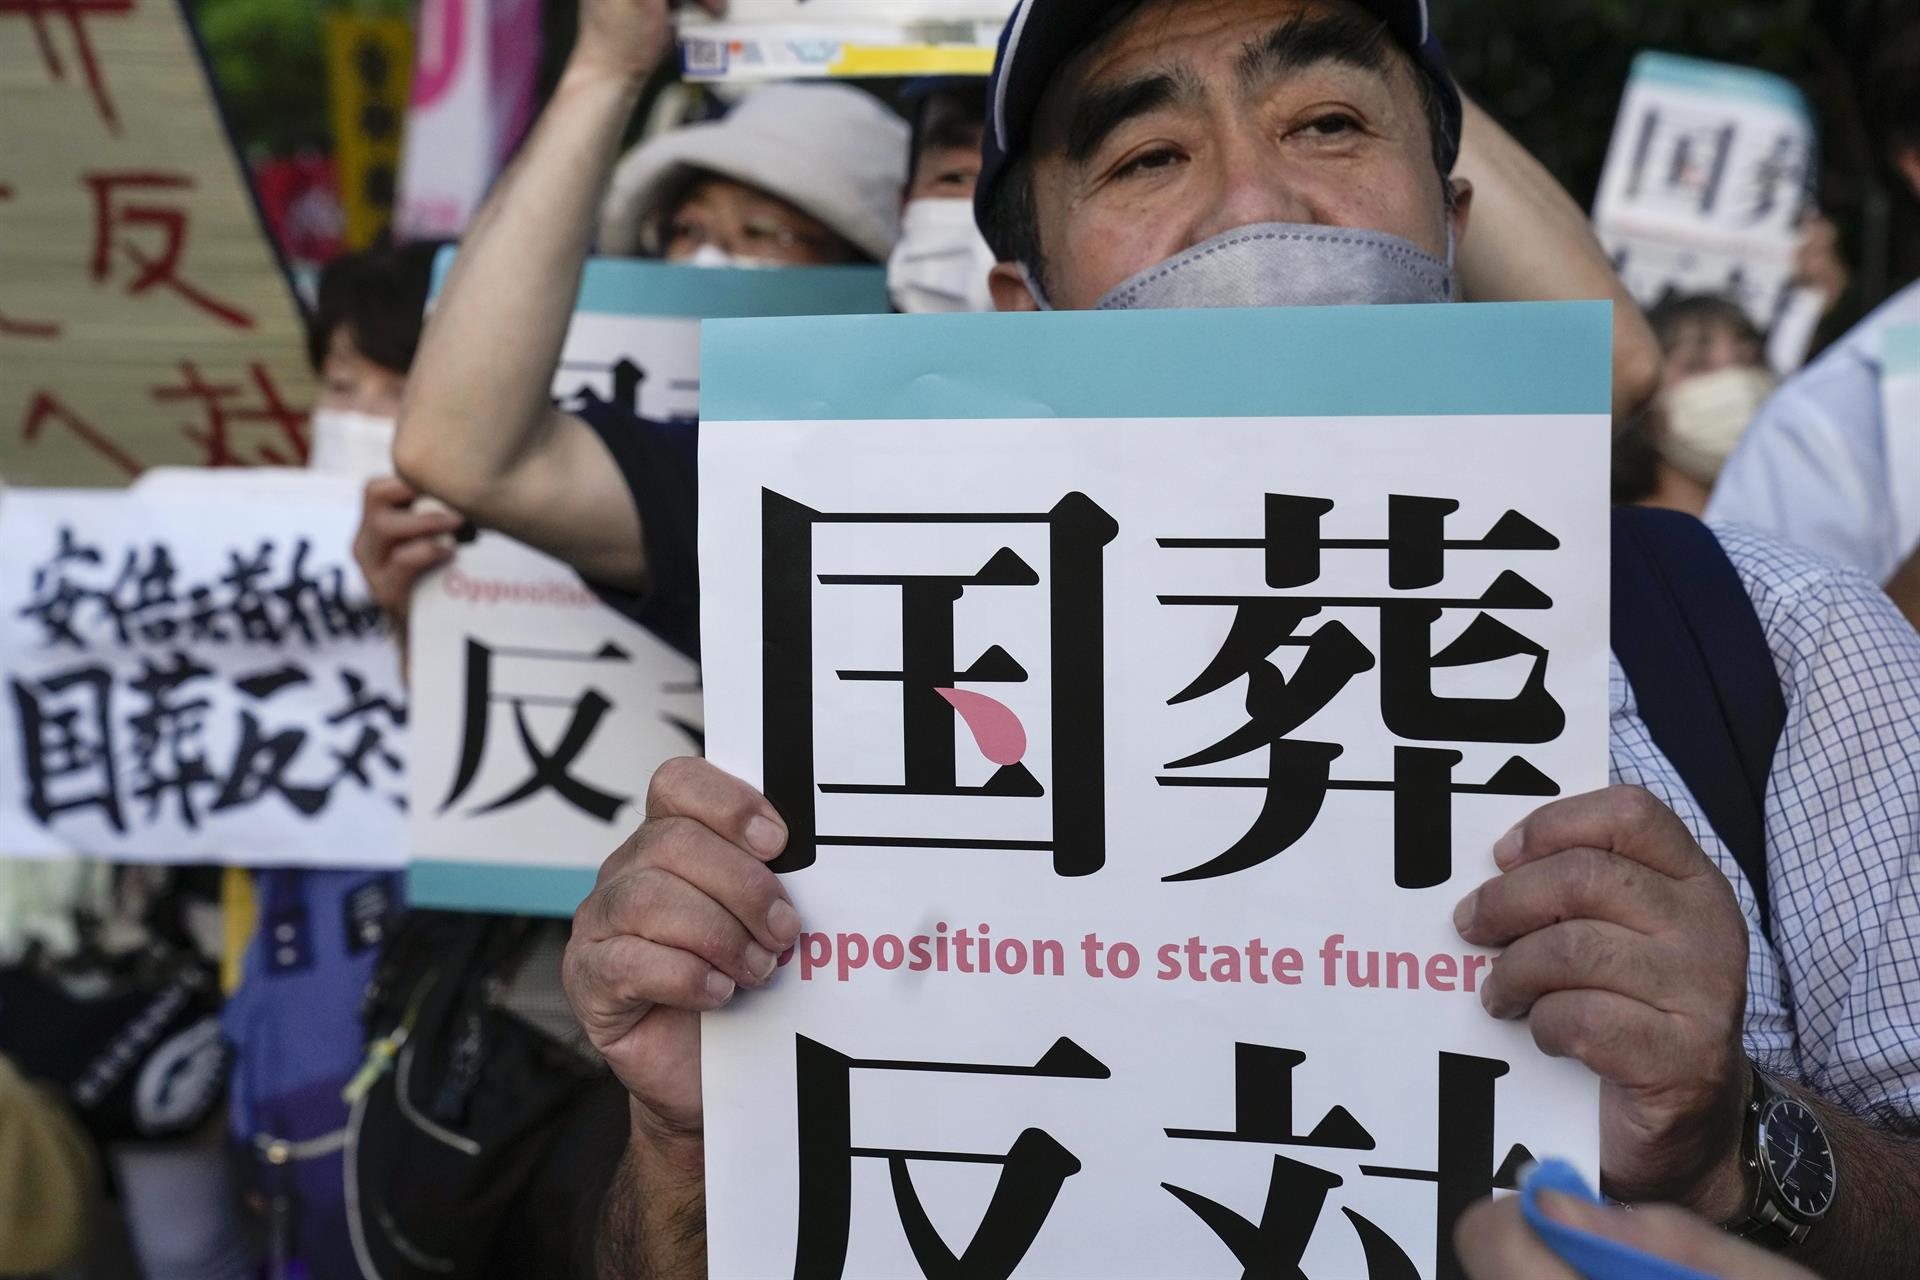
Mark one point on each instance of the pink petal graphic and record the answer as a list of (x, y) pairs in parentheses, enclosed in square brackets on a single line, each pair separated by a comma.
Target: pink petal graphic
[(997, 731)]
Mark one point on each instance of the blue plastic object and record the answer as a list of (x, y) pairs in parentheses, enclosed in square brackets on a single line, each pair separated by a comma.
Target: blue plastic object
[(1594, 1257)]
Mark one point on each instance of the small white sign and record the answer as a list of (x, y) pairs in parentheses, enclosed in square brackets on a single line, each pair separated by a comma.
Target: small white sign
[(795, 39)]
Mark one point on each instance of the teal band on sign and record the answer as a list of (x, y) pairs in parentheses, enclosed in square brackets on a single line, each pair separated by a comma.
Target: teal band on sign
[(1722, 80), (639, 287), (487, 887), (1900, 350), (1495, 358)]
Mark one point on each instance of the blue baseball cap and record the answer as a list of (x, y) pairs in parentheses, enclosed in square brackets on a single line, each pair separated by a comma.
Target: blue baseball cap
[(1043, 34)]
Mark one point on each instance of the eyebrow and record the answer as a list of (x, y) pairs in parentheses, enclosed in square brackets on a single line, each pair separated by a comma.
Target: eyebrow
[(1304, 41), (1104, 108)]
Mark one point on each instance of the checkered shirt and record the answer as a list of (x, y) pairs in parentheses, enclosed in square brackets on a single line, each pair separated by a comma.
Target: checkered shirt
[(1834, 1000)]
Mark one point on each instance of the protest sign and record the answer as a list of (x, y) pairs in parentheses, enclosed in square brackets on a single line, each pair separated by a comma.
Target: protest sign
[(194, 673), (477, 66), (539, 712), (1708, 174), (369, 69), (1900, 414), (144, 317), (799, 39), (1142, 691)]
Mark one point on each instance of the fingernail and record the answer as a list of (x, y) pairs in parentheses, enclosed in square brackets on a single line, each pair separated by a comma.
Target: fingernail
[(1507, 848), (765, 837), (1463, 914), (445, 542), (719, 987), (783, 922), (760, 961)]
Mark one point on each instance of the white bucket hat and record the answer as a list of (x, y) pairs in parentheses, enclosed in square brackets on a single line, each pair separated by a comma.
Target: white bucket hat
[(828, 150)]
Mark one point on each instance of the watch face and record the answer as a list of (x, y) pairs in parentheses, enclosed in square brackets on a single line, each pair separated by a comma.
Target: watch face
[(1799, 1162)]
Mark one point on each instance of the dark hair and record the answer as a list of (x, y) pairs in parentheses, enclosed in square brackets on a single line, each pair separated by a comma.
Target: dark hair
[(952, 114), (1893, 92), (1012, 224), (380, 296), (1636, 459), (1703, 310)]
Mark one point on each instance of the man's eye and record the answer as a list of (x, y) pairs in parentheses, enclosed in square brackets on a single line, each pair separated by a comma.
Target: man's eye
[(1331, 125), (1161, 158)]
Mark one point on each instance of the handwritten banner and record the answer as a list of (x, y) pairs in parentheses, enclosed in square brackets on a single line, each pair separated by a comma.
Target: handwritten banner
[(194, 672), (1141, 693), (144, 318)]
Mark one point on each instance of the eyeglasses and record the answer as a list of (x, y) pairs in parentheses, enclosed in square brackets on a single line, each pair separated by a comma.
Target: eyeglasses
[(759, 237)]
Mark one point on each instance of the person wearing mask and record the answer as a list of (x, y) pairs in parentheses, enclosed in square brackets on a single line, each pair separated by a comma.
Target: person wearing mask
[(942, 261), (1131, 149), (1816, 467), (1715, 382)]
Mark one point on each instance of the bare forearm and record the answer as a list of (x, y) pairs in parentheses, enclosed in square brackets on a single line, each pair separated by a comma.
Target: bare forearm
[(477, 401), (1869, 1234), (1527, 241), (655, 1227)]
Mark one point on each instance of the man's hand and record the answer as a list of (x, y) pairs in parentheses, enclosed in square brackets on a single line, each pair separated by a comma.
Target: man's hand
[(1495, 1243), (684, 913), (395, 545), (1626, 949), (628, 37)]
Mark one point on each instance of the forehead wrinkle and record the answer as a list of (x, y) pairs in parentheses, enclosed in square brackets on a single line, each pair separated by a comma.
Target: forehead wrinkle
[(1102, 108), (1306, 40)]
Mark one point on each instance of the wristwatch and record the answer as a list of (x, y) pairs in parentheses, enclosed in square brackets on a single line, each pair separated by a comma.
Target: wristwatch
[(1790, 1164)]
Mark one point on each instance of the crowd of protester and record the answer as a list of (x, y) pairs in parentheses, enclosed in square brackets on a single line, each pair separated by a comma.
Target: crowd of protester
[(438, 1094)]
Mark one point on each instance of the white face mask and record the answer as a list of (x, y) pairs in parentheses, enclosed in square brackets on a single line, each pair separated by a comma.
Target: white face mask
[(351, 444), (1706, 416), (1284, 264), (712, 255), (942, 262)]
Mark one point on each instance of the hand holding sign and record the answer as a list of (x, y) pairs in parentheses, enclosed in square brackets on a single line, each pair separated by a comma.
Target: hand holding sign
[(683, 914), (1626, 949), (629, 37)]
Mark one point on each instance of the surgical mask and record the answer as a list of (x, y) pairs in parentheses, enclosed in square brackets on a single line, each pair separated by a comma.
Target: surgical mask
[(942, 261), (1284, 264), (352, 444), (712, 255), (1706, 416)]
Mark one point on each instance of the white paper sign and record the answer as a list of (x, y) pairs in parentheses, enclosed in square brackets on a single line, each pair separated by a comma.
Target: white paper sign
[(539, 712), (1706, 179), (793, 39), (1142, 692), (194, 672)]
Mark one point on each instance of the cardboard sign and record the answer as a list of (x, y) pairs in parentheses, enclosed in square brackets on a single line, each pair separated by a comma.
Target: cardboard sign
[(801, 39), (539, 712), (1142, 692), (144, 317), (1900, 421), (195, 673), (1709, 172)]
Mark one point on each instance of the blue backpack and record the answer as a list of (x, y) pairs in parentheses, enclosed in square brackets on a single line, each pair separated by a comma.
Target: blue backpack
[(1693, 649)]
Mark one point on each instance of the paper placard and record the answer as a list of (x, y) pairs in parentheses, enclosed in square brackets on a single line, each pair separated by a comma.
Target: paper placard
[(1708, 174), (540, 712), (798, 39), (195, 673), (1142, 692)]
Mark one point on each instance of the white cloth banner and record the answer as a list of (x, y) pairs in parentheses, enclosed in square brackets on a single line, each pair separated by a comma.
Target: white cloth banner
[(1705, 182), (1142, 692), (195, 673), (792, 39)]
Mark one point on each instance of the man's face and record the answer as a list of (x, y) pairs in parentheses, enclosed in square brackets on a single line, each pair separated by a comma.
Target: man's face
[(351, 383), (1193, 117)]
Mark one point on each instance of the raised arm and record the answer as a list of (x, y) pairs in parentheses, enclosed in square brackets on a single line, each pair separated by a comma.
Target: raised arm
[(1529, 242), (478, 430)]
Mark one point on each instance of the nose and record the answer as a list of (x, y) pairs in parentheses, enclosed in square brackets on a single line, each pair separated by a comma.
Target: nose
[(1249, 185)]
